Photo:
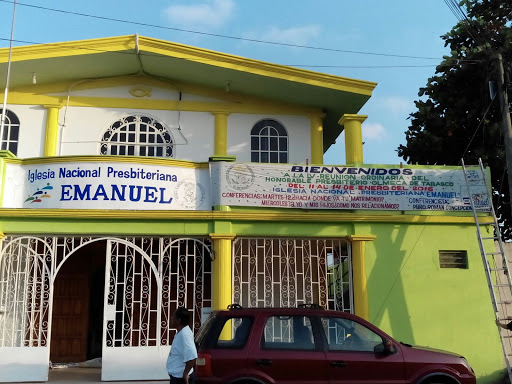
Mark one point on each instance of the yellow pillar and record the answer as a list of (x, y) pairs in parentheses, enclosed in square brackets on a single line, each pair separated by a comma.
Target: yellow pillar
[(359, 281), (221, 133), (51, 137), (353, 138), (317, 140), (222, 284)]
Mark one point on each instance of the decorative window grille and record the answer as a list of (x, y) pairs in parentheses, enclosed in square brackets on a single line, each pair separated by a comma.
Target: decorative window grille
[(269, 142), (149, 277), (10, 133), (137, 135), (453, 259), (288, 272)]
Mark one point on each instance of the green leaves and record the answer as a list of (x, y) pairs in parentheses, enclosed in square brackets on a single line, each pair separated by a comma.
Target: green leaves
[(455, 116)]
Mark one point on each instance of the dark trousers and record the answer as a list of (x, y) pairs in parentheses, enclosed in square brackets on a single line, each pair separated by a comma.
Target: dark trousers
[(179, 380)]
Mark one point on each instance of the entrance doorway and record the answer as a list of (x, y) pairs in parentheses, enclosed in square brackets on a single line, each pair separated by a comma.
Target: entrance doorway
[(77, 320)]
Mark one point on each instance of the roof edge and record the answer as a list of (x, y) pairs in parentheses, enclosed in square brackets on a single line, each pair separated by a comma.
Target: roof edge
[(200, 55)]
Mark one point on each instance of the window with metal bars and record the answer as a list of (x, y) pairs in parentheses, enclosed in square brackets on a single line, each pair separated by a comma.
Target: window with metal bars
[(269, 142), (453, 259), (137, 135), (10, 132)]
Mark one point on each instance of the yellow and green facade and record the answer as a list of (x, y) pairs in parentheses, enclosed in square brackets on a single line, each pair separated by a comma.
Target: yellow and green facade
[(170, 239)]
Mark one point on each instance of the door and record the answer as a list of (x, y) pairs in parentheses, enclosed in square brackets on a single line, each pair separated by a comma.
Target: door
[(25, 309), (288, 352), (351, 355), (70, 318), (131, 340)]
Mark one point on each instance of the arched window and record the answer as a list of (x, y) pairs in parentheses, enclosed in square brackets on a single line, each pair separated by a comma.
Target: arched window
[(11, 132), (269, 142), (137, 135)]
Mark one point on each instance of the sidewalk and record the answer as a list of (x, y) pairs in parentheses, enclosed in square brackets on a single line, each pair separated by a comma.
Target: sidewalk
[(85, 375)]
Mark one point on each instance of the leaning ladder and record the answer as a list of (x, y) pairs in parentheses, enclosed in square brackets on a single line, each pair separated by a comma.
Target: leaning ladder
[(496, 261)]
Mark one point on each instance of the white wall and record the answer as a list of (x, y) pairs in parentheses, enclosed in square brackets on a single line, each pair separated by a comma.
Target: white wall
[(85, 127), (81, 128), (124, 92), (297, 127), (32, 129)]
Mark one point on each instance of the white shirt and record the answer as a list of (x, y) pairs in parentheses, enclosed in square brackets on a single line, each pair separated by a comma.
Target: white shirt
[(183, 349)]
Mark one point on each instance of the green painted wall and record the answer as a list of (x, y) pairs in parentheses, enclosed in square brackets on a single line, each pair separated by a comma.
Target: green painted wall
[(410, 296), (418, 302)]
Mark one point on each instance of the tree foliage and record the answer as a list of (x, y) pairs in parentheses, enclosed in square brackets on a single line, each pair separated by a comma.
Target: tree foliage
[(456, 116)]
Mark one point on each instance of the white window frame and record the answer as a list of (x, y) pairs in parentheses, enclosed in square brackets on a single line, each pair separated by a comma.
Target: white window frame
[(125, 145), (272, 126)]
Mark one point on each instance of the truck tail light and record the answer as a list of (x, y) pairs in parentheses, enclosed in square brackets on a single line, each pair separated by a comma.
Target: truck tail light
[(204, 365)]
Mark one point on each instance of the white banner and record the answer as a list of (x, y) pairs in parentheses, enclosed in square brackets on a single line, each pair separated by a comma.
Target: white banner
[(88, 185), (343, 187)]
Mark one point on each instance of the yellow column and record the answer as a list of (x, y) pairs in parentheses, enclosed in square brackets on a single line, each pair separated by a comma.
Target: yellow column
[(317, 140), (222, 284), (353, 138), (359, 281), (51, 137), (221, 133)]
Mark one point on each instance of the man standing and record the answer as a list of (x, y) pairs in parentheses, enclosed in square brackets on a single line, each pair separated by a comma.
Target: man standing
[(183, 354)]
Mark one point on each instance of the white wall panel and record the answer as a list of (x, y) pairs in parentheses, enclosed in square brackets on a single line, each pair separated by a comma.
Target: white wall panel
[(124, 92), (32, 129), (239, 136), (85, 127)]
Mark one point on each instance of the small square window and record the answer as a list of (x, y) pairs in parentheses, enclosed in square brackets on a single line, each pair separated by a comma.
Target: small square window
[(453, 259)]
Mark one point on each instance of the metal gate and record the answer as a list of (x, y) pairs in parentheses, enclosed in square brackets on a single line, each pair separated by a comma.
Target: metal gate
[(147, 278), (287, 272), (146, 281), (25, 309)]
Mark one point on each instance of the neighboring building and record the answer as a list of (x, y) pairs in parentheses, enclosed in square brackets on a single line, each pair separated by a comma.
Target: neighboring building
[(138, 175)]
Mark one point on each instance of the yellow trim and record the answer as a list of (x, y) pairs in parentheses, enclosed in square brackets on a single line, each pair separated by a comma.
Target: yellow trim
[(353, 138), (359, 279), (221, 134), (243, 64), (69, 48), (166, 48), (222, 236), (109, 159), (257, 107), (331, 217), (362, 237), (143, 80), (222, 279), (51, 136), (317, 140)]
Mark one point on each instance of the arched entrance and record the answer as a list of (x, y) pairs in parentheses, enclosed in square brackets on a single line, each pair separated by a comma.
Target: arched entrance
[(146, 278)]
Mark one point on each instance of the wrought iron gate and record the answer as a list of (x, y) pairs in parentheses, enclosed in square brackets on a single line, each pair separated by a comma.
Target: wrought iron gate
[(288, 272), (147, 278)]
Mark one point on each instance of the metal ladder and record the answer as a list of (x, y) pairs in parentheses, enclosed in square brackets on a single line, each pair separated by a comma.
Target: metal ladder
[(494, 262)]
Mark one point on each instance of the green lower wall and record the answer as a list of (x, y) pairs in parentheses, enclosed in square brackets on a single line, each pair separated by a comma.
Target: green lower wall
[(410, 296), (418, 302)]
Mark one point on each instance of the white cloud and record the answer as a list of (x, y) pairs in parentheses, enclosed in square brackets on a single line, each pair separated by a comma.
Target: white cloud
[(397, 105), (211, 13), (373, 131), (295, 35)]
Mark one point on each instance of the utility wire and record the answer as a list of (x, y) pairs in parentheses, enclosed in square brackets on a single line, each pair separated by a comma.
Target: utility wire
[(219, 35), (399, 274), (457, 62)]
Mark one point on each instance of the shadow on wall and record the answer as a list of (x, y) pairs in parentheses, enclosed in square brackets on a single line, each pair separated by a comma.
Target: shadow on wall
[(390, 284)]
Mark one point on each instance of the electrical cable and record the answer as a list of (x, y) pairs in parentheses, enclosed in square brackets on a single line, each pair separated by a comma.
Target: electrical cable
[(219, 35), (456, 61), (426, 221)]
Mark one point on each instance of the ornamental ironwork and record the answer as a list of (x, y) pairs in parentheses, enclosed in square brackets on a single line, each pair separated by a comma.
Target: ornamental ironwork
[(137, 135)]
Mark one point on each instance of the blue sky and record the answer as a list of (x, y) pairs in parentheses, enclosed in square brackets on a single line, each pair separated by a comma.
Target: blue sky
[(398, 27)]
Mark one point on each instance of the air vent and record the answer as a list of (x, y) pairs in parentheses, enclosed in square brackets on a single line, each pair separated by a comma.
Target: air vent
[(453, 259)]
